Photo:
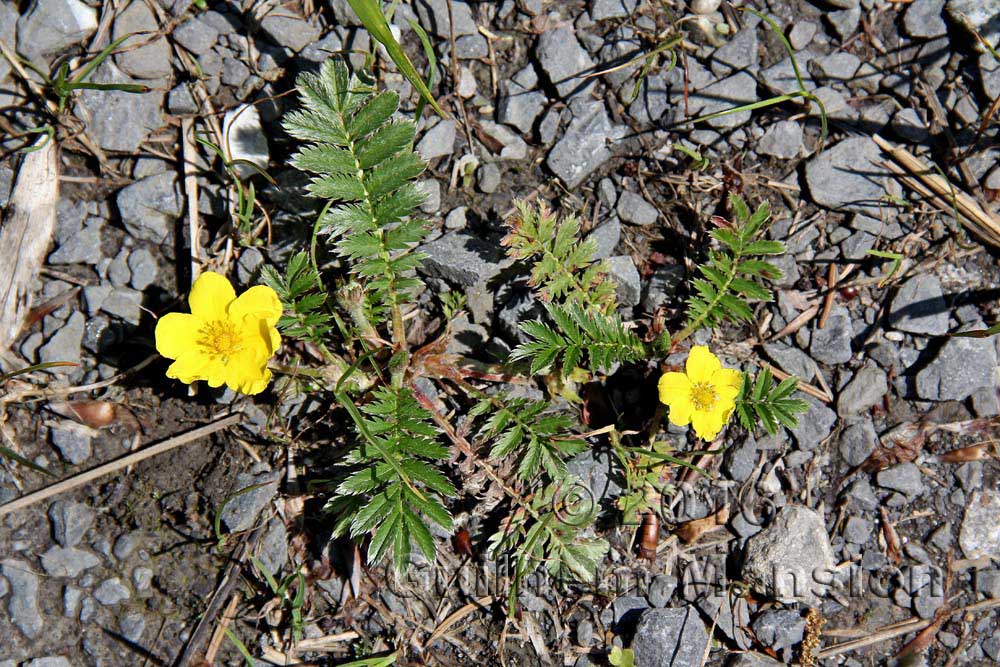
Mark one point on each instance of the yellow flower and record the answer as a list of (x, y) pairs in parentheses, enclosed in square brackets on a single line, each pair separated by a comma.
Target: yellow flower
[(224, 340), (704, 395)]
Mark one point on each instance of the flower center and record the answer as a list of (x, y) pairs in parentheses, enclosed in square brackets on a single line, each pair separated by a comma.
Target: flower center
[(703, 396), (222, 338)]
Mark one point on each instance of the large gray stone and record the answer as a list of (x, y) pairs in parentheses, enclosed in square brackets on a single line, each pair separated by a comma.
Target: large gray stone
[(565, 61), (68, 562), (919, 307), (832, 343), (195, 35), (435, 17), (736, 90), (814, 426), (858, 440), (520, 106), (961, 366), (672, 637), (635, 209), (8, 33), (111, 592), (149, 207), (584, 147), (72, 445), (118, 120), (438, 141), (152, 59), (847, 177), (49, 27), (628, 287), (289, 30), (22, 601), (70, 521), (65, 344), (462, 258), (904, 478), (982, 16), (84, 247), (782, 140), (865, 390), (249, 496), (980, 532), (739, 53), (790, 559)]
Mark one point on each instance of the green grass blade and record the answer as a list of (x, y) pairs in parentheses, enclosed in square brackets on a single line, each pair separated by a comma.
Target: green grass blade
[(370, 14)]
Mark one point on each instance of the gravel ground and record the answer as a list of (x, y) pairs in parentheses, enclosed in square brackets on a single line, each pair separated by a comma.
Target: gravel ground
[(119, 571)]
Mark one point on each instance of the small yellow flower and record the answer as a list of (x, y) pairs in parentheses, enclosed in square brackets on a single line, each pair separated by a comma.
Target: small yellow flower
[(225, 339), (703, 396)]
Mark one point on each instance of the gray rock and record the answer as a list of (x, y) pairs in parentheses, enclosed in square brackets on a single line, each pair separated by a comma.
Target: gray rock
[(661, 286), (970, 475), (84, 247), (923, 18), (245, 507), (788, 559), (782, 140), (434, 17), (857, 530), (126, 544), (673, 637), (149, 207), (514, 147), (152, 59), (652, 101), (8, 33), (845, 22), (661, 589), (180, 101), (124, 303), (583, 148), (837, 67), (909, 126), (636, 210), (792, 360), (628, 287), (71, 602), (29, 348), (462, 258), (274, 546), (730, 617), (814, 426), (195, 35), (739, 53), (288, 30), (564, 60), (625, 612), (520, 106), (49, 27), (142, 578), (248, 266), (471, 47), (70, 521), (988, 582), (132, 626), (437, 141), (848, 177), (752, 660), (919, 307), (858, 441), (856, 246), (866, 389), (779, 628), (234, 74), (522, 306), (118, 120), (905, 478), (961, 366), (64, 345), (118, 273), (843, 4), (73, 446), (740, 462), (489, 178), (976, 15), (601, 10), (832, 344), (733, 91), (68, 561), (111, 592), (780, 77), (605, 238), (595, 470), (52, 661), (144, 268), (22, 602), (431, 189), (802, 34), (980, 532)]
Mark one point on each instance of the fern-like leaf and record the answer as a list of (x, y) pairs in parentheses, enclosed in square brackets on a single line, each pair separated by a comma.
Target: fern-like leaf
[(770, 404), (305, 315)]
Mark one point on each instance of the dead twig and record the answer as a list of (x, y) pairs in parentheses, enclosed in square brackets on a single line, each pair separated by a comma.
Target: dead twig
[(141, 455)]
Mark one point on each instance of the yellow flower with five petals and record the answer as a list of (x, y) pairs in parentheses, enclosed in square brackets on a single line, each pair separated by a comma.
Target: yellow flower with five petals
[(224, 339), (704, 395)]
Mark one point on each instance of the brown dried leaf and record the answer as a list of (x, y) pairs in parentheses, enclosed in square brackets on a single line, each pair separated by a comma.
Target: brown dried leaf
[(892, 545), (95, 414), (690, 531), (924, 638), (900, 445), (965, 454)]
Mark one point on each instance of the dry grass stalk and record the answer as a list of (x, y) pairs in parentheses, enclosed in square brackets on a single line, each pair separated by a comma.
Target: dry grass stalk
[(919, 177)]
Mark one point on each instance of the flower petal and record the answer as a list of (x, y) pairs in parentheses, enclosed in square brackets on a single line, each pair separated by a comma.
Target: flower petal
[(210, 295), (727, 382), (177, 333), (707, 424), (260, 301), (190, 366), (680, 412), (701, 364), (672, 385)]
